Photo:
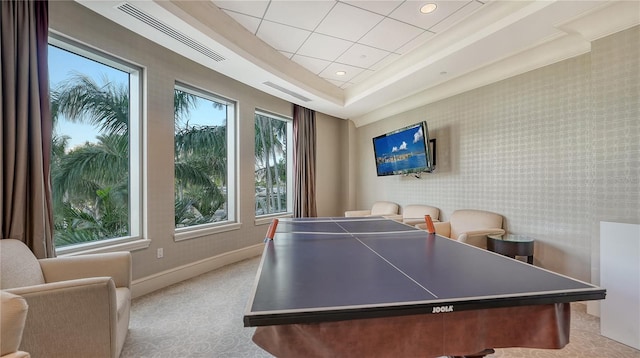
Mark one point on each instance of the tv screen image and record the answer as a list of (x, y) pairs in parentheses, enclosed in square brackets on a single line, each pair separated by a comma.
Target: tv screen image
[(403, 151)]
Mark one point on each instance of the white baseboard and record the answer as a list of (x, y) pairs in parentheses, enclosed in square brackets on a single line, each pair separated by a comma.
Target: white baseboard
[(148, 284)]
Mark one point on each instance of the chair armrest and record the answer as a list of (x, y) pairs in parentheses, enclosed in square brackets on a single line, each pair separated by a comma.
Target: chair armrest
[(76, 318), (13, 314), (443, 228), (357, 213), (479, 237), (116, 265), (395, 217), (483, 232)]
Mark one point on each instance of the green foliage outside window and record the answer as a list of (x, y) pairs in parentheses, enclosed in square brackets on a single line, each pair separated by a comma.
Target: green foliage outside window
[(90, 182), (271, 164), (200, 161)]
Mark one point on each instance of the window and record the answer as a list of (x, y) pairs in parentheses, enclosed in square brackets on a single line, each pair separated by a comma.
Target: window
[(273, 138), (204, 190), (95, 161)]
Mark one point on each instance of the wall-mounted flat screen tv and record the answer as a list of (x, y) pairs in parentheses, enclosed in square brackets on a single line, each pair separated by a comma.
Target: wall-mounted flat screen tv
[(404, 151)]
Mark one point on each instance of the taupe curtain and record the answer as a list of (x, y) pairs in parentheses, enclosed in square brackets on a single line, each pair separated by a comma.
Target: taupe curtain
[(25, 196), (304, 162)]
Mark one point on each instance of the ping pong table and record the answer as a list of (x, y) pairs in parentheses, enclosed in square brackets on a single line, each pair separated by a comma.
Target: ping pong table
[(374, 286)]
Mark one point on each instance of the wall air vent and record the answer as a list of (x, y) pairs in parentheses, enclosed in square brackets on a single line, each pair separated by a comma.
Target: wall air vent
[(169, 31), (289, 92)]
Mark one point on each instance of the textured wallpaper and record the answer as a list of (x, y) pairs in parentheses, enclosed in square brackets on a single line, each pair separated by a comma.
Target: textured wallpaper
[(555, 151), (615, 73)]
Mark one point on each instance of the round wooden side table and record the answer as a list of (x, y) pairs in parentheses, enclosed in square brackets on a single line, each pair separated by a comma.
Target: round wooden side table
[(511, 245)]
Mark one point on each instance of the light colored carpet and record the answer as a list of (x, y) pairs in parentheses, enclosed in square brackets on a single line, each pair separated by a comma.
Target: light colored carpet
[(202, 317)]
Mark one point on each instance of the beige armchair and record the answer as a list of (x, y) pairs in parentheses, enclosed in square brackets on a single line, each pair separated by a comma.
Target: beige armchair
[(13, 311), (379, 208), (414, 214), (470, 226), (78, 306)]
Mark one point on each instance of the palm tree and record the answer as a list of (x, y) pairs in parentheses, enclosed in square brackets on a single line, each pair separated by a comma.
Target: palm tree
[(91, 183), (200, 172), (81, 99), (200, 165), (183, 103), (270, 145)]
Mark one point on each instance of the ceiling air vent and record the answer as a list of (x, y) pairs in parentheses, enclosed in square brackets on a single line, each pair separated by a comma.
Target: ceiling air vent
[(289, 92), (169, 31)]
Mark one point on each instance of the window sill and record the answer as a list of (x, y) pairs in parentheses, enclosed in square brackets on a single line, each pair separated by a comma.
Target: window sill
[(127, 244), (266, 219), (194, 233)]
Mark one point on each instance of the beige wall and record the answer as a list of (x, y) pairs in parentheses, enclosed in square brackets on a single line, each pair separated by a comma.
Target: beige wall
[(162, 68), (615, 144), (329, 173), (555, 150)]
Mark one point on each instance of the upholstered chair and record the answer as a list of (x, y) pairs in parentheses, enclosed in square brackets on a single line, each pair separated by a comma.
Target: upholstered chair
[(78, 305), (13, 312), (470, 226), (414, 214), (379, 208)]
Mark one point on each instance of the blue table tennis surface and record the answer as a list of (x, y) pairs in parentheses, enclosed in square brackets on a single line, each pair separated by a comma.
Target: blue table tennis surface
[(328, 269)]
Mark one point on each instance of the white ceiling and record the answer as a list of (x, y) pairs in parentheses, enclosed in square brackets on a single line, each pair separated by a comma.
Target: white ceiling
[(395, 58), (358, 37)]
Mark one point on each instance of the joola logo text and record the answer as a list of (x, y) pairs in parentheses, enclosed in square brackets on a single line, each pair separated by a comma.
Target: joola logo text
[(442, 309)]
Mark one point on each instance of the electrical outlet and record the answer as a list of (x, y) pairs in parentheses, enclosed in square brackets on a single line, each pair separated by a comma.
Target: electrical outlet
[(160, 253)]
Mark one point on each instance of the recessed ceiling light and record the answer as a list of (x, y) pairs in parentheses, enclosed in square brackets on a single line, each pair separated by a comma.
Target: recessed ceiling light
[(428, 8), (341, 73)]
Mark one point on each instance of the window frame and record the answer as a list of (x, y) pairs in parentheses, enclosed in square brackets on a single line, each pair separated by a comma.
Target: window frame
[(135, 240), (232, 223), (266, 218)]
